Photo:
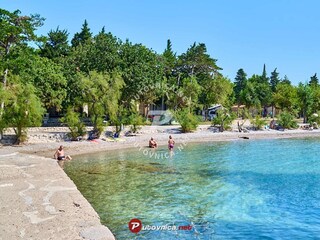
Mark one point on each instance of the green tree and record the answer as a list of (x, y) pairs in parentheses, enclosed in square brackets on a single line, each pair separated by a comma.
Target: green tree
[(262, 89), (285, 80), (15, 29), (223, 119), (190, 90), (315, 93), (23, 108), (100, 55), (48, 80), (304, 92), (285, 97), (197, 62), (101, 91), (169, 59), (314, 80), (239, 85), (83, 36), (286, 120), (133, 118), (250, 96), (258, 122), (103, 53), (274, 80), (187, 120), (141, 70), (264, 78), (76, 126), (56, 45), (217, 90)]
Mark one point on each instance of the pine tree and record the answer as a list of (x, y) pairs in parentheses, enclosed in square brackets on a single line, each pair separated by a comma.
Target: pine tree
[(83, 36), (240, 83), (169, 59), (286, 80), (56, 44), (314, 80), (274, 80)]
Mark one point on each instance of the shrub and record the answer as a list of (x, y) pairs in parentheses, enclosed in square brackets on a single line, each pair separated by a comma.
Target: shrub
[(286, 120), (135, 120), (76, 127), (98, 128), (223, 119), (187, 120), (314, 118), (258, 122)]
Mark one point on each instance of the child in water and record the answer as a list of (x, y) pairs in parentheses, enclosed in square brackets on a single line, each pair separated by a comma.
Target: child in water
[(170, 143)]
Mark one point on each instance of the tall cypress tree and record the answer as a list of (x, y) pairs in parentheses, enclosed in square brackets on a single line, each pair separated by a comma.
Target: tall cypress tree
[(274, 81), (264, 78)]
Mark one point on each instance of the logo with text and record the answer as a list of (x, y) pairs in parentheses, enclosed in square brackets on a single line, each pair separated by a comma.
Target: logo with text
[(135, 226)]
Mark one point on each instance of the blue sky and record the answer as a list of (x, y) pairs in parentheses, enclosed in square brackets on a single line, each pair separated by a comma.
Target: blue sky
[(282, 34)]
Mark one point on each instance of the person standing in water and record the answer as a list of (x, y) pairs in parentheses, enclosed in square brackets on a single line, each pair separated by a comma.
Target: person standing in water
[(170, 143)]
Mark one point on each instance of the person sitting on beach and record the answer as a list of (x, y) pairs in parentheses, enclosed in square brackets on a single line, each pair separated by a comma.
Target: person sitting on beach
[(152, 143), (59, 154), (272, 124), (170, 143)]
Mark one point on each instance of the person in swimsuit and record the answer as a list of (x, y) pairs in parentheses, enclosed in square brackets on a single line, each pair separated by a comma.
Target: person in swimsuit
[(170, 143), (152, 143), (59, 154)]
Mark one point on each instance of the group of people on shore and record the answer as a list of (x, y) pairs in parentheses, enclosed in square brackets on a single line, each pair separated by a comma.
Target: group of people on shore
[(154, 144)]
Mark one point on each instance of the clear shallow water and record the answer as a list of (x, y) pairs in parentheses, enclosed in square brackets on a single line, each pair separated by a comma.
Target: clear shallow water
[(266, 189)]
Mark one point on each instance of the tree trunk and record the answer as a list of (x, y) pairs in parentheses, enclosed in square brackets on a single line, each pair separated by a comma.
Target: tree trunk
[(238, 109), (162, 103), (304, 116), (4, 85)]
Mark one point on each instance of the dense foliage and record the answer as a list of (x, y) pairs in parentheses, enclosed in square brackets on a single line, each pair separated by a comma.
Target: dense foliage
[(113, 77), (188, 121)]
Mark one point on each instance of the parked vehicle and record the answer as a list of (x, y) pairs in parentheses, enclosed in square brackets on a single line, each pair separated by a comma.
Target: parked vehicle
[(212, 111)]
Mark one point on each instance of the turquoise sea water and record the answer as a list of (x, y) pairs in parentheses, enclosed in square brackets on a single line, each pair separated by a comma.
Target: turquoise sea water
[(266, 189)]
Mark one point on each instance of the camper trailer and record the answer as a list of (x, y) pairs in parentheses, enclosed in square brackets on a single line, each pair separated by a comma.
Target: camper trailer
[(212, 111)]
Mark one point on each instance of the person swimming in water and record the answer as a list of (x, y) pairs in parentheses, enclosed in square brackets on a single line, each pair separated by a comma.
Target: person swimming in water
[(170, 143)]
